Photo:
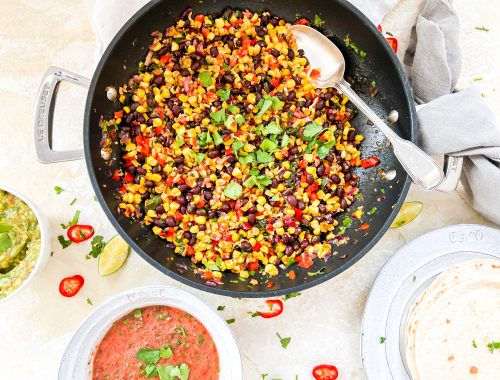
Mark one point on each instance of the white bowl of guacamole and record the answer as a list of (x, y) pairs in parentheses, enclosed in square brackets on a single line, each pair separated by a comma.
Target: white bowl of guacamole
[(24, 243)]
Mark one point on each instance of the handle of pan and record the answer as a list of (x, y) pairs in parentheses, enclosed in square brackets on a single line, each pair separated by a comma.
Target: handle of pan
[(44, 114)]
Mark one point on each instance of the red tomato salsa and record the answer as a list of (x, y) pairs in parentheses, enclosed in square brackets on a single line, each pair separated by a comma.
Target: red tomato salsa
[(162, 329)]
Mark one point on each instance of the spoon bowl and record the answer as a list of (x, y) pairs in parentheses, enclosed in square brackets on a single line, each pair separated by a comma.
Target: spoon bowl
[(325, 57)]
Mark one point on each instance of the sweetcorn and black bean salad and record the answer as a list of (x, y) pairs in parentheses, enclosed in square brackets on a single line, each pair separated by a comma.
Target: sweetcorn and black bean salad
[(229, 152)]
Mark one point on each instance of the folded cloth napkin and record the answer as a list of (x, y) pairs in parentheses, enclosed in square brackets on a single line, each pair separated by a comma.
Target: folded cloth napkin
[(450, 123), (455, 123)]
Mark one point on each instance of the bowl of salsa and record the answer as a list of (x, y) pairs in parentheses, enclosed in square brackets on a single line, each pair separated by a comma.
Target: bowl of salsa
[(153, 332)]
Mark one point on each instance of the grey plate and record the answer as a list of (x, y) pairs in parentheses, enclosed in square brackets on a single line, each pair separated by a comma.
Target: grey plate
[(402, 279)]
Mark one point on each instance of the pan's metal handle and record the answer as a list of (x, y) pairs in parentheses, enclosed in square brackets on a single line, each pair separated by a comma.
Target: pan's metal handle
[(452, 170), (44, 112)]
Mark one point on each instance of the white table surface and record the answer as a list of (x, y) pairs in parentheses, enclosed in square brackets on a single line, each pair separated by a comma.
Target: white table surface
[(324, 322)]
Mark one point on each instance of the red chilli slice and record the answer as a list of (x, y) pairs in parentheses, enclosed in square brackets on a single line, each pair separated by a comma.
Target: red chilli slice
[(276, 307), (80, 232), (325, 372), (393, 42), (69, 286)]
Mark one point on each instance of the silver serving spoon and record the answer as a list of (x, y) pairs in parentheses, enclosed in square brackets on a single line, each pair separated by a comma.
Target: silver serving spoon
[(325, 56)]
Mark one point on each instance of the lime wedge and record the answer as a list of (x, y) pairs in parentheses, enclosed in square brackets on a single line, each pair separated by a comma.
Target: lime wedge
[(408, 212), (113, 256)]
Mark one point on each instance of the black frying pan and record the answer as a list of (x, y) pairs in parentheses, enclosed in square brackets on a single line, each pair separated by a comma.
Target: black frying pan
[(130, 46)]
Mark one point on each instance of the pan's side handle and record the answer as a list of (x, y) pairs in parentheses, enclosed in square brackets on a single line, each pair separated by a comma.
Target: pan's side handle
[(452, 170), (44, 113)]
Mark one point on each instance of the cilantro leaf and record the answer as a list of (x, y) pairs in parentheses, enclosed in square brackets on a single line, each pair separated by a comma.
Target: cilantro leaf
[(264, 105), (64, 243), (6, 242), (229, 321), (285, 141), (268, 145), (200, 157), (272, 128), (218, 117), (318, 21), (324, 149), (151, 370), (223, 94), (166, 352), (217, 138), (233, 109), (97, 244), (248, 159), (239, 119), (220, 308), (291, 295), (148, 355), (179, 141), (382, 339), (284, 341), (233, 190), (205, 77), (264, 157), (204, 139), (311, 130), (73, 221), (318, 272), (58, 189)]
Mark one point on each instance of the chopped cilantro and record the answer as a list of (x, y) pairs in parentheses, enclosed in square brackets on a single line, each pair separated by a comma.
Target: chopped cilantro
[(372, 211), (233, 190), (229, 321), (291, 295), (482, 29), (73, 202), (217, 138), (200, 157), (221, 307), (179, 141), (137, 313), (285, 141), (89, 301), (233, 109), (97, 244), (166, 352), (478, 79), (181, 331), (204, 139), (58, 189), (223, 94), (474, 344), (218, 117), (272, 128), (257, 180), (205, 77), (311, 130), (382, 339), (320, 271), (264, 157), (148, 355), (284, 341), (268, 145), (318, 21), (73, 221), (493, 346), (64, 243)]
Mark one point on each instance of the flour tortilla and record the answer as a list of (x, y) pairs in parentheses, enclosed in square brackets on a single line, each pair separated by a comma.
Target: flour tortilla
[(462, 305)]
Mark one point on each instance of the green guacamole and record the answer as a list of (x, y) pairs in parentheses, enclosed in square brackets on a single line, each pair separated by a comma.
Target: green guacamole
[(19, 242)]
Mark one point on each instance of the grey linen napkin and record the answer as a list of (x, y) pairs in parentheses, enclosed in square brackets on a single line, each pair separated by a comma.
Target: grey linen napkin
[(456, 123)]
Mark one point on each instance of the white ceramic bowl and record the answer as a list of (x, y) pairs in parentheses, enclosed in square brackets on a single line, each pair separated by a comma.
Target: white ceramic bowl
[(76, 363), (44, 243)]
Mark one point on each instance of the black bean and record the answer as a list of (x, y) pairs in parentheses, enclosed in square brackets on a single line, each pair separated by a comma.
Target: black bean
[(322, 208), (275, 53), (179, 160), (181, 200), (335, 179), (304, 244), (320, 104), (343, 204), (292, 200), (183, 188), (301, 205), (287, 192), (252, 219), (195, 65), (228, 78), (159, 80), (160, 209), (196, 190), (208, 195), (182, 209), (214, 52), (264, 20), (159, 222), (226, 207), (288, 251), (260, 31), (176, 110), (189, 197), (191, 208), (149, 183), (231, 158), (290, 54), (140, 170), (309, 179), (351, 135), (274, 21), (213, 153), (296, 246), (315, 240), (186, 235), (330, 158), (170, 221), (201, 212), (230, 44), (192, 241), (340, 192), (246, 246)]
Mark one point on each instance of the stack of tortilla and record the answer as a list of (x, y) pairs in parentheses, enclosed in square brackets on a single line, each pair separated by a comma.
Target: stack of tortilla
[(452, 323)]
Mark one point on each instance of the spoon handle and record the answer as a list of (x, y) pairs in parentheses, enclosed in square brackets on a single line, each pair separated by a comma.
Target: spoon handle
[(423, 170)]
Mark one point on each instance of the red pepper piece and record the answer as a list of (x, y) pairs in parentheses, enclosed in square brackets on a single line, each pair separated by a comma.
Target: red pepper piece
[(393, 42), (325, 372), (276, 307), (257, 246), (79, 233), (118, 114), (275, 82), (116, 175), (178, 216), (69, 286), (302, 21), (199, 18), (128, 178), (304, 261), (379, 27), (254, 265), (364, 226), (369, 162)]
